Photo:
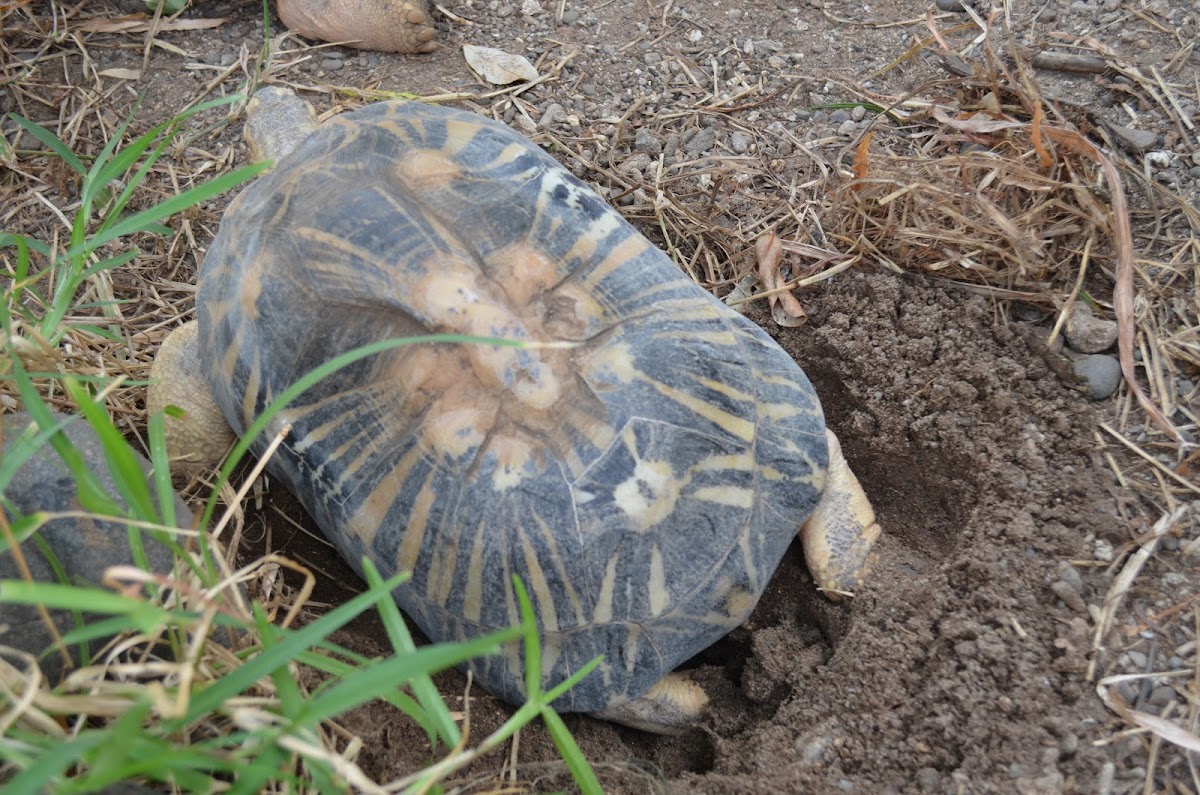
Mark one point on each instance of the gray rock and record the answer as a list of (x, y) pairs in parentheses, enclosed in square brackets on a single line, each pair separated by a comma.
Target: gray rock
[(646, 141), (1070, 575), (950, 5), (1102, 374), (1132, 139), (1163, 695), (553, 114), (1069, 596), (703, 140), (1087, 333), (84, 548), (739, 142)]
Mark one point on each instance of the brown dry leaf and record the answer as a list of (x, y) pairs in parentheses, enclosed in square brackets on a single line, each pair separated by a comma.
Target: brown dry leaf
[(141, 24), (1171, 732), (497, 66), (122, 74), (785, 308), (862, 158), (975, 124)]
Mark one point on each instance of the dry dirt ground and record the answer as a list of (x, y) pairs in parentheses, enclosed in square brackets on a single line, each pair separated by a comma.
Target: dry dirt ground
[(968, 663)]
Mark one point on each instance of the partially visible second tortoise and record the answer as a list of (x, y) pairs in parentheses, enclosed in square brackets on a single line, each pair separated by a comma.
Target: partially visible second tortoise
[(643, 476), (386, 25)]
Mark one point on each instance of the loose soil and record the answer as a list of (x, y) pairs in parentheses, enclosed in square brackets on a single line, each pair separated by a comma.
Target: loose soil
[(957, 668)]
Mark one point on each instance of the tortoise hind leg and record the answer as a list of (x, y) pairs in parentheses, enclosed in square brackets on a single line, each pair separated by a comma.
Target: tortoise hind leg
[(839, 535), (672, 706)]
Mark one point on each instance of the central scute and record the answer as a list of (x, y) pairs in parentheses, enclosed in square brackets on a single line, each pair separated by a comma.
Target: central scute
[(641, 461)]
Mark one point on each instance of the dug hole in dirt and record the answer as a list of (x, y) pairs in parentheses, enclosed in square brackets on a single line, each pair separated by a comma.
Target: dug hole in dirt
[(962, 665)]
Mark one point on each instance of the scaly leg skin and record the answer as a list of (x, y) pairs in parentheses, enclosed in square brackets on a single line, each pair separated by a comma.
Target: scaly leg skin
[(672, 706), (838, 537), (201, 437), (383, 25)]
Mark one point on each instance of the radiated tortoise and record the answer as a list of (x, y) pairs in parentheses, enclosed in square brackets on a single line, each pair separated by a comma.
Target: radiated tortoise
[(644, 477)]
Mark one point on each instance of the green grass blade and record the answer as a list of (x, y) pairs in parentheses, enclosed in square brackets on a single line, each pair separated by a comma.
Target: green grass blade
[(157, 440), (339, 669), (423, 688), (571, 754), (57, 596), (52, 141), (367, 683), (123, 464), (9, 240), (291, 644), (138, 222), (100, 174), (90, 492), (572, 680), (25, 446), (533, 644), (52, 762)]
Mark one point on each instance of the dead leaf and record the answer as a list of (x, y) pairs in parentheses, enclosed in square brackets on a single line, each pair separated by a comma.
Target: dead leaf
[(1171, 732), (497, 66), (981, 124), (785, 307), (139, 23), (122, 74)]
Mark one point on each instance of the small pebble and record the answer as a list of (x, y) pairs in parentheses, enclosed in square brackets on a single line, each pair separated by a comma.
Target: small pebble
[(1159, 159), (570, 17), (839, 116), (929, 780), (1069, 596), (950, 5), (1163, 695), (1135, 659), (739, 142), (332, 64), (646, 141), (701, 142), (1132, 139), (553, 114), (1101, 373), (1087, 333)]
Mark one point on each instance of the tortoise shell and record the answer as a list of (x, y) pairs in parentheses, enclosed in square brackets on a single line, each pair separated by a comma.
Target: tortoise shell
[(644, 479)]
